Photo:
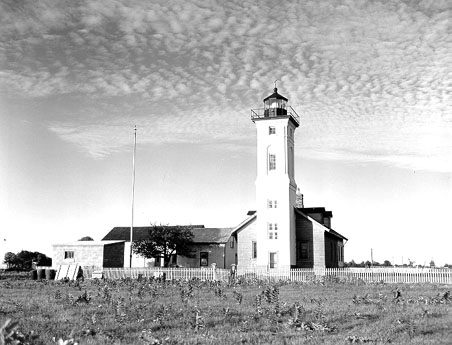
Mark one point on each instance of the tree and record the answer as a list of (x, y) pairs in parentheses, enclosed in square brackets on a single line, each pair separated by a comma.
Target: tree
[(351, 264), (24, 260), (10, 259), (86, 238), (387, 263), (164, 241), (42, 259)]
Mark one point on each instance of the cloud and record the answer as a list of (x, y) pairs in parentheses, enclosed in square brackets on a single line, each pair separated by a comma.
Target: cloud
[(371, 81)]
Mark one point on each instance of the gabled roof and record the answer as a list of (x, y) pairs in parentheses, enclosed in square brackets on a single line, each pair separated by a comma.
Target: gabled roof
[(309, 210), (200, 233), (211, 235), (329, 230), (252, 215), (338, 234), (123, 233)]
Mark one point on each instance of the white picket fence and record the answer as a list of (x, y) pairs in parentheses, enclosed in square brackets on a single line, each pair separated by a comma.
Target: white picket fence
[(169, 273), (377, 274)]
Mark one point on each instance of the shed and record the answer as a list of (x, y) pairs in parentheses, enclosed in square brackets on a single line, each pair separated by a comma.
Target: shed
[(90, 253)]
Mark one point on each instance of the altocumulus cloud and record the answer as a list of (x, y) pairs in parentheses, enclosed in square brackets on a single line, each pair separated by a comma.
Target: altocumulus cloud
[(371, 80)]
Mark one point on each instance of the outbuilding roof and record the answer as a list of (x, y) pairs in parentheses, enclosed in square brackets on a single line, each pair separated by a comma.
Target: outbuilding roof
[(200, 233)]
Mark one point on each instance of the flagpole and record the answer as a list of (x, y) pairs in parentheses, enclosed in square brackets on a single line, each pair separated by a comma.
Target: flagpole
[(133, 190)]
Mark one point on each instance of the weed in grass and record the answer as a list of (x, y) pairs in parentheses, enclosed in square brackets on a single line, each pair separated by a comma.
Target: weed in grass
[(238, 297), (198, 321)]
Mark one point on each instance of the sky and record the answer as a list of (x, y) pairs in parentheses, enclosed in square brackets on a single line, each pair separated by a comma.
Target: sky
[(371, 81)]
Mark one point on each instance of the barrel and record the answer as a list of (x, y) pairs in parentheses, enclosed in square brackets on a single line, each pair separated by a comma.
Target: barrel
[(33, 275), (41, 273), (50, 274)]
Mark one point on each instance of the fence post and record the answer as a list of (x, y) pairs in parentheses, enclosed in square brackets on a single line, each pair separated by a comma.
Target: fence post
[(214, 272)]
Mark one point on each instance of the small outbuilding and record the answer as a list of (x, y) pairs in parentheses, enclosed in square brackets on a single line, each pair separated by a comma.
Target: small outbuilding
[(89, 253)]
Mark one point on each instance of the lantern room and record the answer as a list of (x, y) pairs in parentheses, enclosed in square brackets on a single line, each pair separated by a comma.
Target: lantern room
[(275, 104)]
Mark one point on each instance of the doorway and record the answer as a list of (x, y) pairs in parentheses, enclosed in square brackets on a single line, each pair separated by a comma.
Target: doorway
[(273, 260)]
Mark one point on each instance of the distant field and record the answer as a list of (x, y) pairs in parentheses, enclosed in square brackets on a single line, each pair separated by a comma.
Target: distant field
[(158, 312)]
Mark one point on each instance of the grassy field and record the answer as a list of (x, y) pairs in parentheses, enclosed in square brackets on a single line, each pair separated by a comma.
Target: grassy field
[(195, 312)]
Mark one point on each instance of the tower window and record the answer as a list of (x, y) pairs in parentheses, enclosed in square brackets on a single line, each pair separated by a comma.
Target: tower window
[(271, 162), (254, 249), (272, 203), (271, 130), (272, 229), (68, 254)]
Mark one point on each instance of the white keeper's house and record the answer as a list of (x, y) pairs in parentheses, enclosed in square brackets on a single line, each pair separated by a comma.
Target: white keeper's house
[(280, 233)]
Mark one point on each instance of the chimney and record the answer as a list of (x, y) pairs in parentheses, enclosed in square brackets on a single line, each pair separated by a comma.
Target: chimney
[(299, 202)]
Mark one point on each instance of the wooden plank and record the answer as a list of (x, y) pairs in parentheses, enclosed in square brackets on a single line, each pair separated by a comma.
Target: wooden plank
[(62, 272), (67, 271)]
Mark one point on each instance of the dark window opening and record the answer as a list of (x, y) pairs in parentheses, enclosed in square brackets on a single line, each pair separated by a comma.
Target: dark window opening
[(273, 260), (302, 250), (204, 259), (254, 249)]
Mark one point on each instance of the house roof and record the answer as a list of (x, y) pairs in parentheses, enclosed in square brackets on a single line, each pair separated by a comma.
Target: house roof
[(200, 233), (338, 234), (211, 235), (312, 209), (252, 215), (309, 210), (123, 233), (87, 243), (299, 211)]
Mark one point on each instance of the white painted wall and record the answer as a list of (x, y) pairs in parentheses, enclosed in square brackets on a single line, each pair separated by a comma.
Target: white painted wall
[(245, 238), (279, 185), (137, 260)]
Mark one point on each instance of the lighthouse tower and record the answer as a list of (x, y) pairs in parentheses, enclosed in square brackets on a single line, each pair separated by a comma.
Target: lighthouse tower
[(276, 189)]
